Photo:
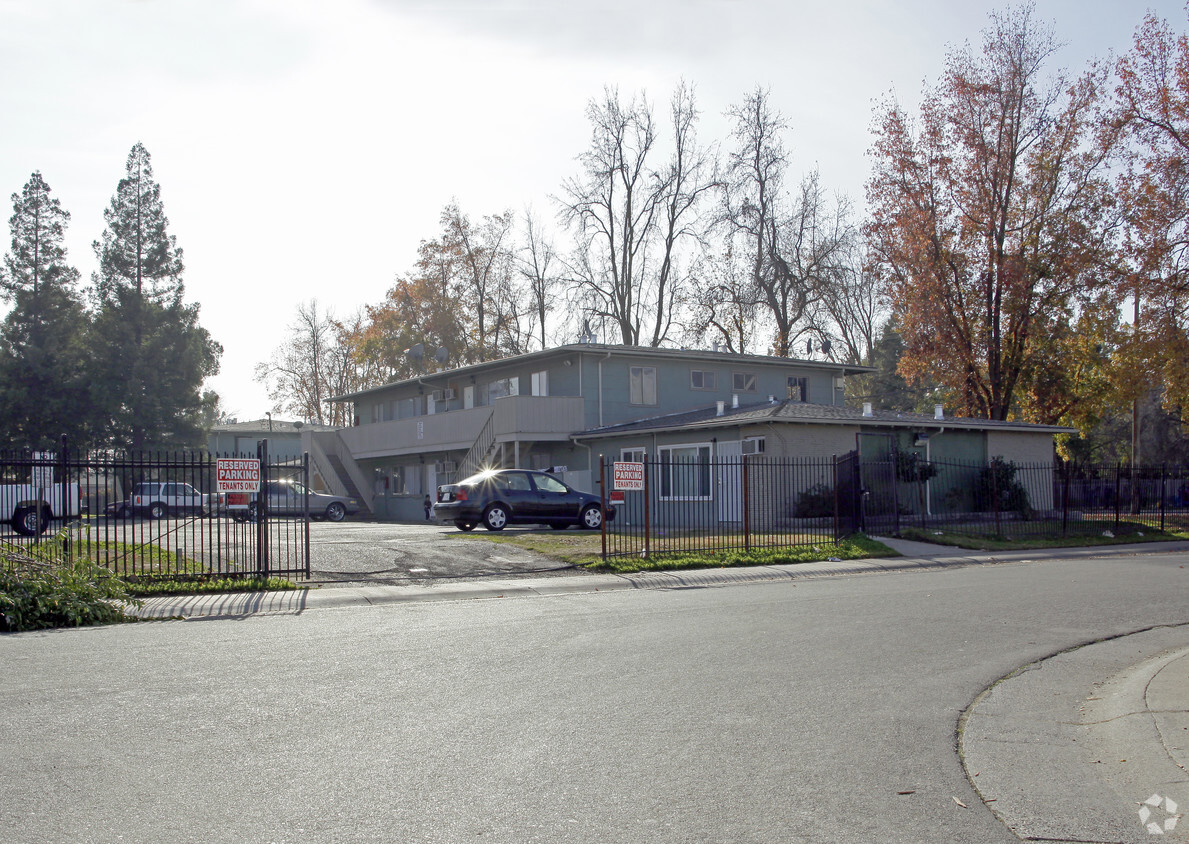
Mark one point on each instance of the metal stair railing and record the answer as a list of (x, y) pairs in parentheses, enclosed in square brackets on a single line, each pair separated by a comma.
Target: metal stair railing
[(480, 451)]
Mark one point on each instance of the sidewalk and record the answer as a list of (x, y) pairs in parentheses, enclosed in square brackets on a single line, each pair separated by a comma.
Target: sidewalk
[(1089, 744)]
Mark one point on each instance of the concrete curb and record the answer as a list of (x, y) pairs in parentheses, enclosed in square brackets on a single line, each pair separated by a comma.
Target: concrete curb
[(1075, 746), (917, 556)]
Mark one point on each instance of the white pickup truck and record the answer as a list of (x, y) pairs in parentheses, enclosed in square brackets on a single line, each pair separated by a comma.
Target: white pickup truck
[(30, 509)]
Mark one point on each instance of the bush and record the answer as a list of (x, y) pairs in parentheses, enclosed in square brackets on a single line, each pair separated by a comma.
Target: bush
[(999, 478), (815, 502), (36, 594)]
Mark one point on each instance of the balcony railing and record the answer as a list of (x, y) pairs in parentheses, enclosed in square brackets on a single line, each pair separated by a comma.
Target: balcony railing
[(513, 418)]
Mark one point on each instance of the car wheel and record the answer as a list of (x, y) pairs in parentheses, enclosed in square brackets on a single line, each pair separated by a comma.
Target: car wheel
[(461, 525), (157, 510), (559, 526), (335, 511), (24, 521), (592, 517), (495, 517)]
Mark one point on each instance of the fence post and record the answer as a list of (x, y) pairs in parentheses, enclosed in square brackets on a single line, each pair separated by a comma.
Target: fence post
[(1065, 501), (603, 502), (1118, 492), (262, 549), (995, 496), (647, 509), (746, 507), (1163, 466), (836, 521), (305, 481)]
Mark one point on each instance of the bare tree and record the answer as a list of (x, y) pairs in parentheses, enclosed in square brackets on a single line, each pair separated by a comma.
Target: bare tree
[(794, 245), (852, 310), (538, 267), (630, 219), (298, 375)]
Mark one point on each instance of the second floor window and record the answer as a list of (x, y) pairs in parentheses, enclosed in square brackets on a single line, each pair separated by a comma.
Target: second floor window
[(798, 389), (743, 382), (700, 379), (541, 383), (643, 384), (503, 387)]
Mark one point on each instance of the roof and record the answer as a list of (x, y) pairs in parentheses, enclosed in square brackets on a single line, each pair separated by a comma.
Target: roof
[(435, 380), (811, 414), (269, 426)]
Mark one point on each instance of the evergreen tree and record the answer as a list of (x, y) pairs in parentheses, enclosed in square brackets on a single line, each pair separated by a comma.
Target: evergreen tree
[(155, 355), (44, 384)]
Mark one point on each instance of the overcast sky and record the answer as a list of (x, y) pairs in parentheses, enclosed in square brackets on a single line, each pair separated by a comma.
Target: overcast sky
[(304, 148)]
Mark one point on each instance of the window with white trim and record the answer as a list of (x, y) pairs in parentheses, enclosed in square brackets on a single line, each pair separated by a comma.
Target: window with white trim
[(642, 384), (685, 472), (633, 455), (798, 388), (703, 379), (743, 382), (541, 383)]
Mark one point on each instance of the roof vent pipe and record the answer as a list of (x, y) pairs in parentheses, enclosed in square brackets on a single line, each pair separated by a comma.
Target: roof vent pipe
[(867, 409), (938, 411), (722, 406), (734, 399)]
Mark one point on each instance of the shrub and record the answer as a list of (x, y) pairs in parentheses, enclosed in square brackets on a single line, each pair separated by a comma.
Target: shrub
[(38, 593), (815, 502), (999, 478)]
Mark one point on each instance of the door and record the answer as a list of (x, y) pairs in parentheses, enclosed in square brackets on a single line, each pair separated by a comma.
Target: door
[(730, 482)]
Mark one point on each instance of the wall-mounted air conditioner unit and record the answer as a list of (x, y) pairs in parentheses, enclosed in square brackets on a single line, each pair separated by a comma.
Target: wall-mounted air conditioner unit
[(443, 395), (443, 467)]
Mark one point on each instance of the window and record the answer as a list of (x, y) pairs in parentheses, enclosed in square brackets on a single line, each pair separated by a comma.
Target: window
[(503, 387), (376, 411), (685, 472), (633, 455), (753, 445), (513, 482), (701, 379), (798, 388), (643, 384), (547, 484), (541, 383), (743, 382)]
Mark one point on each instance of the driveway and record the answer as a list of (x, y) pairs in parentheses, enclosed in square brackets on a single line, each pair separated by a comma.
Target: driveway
[(369, 552)]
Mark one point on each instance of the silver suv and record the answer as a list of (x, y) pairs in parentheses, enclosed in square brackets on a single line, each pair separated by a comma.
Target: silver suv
[(160, 499)]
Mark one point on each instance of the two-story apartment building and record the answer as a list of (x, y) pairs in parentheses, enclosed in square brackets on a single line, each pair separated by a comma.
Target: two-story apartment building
[(564, 408)]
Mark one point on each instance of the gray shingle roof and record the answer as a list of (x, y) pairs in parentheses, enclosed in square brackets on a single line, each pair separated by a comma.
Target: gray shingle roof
[(807, 413)]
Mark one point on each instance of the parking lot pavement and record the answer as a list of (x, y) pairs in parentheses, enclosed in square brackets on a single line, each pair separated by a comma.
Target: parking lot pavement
[(369, 552)]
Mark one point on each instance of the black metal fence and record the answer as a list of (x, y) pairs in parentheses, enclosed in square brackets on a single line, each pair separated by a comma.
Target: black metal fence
[(149, 514), (732, 503), (756, 501)]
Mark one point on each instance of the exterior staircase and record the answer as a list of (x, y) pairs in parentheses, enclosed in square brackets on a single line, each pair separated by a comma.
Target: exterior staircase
[(340, 470)]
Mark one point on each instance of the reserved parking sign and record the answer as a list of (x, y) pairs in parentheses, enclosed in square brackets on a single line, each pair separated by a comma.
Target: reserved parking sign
[(238, 474), (629, 476)]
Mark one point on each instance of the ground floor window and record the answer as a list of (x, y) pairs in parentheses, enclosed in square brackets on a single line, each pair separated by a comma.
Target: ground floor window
[(685, 471), (633, 455)]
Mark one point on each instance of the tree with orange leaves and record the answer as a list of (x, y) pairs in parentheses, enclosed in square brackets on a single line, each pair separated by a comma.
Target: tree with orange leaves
[(988, 222), (1152, 110)]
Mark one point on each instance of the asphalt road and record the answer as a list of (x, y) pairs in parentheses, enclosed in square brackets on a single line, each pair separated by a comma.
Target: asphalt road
[(816, 710), (378, 552)]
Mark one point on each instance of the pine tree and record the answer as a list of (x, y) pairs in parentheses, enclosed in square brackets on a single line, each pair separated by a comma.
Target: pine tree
[(155, 355), (44, 384)]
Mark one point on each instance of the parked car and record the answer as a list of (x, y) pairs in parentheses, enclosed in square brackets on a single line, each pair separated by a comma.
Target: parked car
[(158, 499), (288, 498), (500, 497)]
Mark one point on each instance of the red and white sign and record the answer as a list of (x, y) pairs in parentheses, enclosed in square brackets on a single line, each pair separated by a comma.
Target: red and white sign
[(617, 496), (238, 474), (629, 476)]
